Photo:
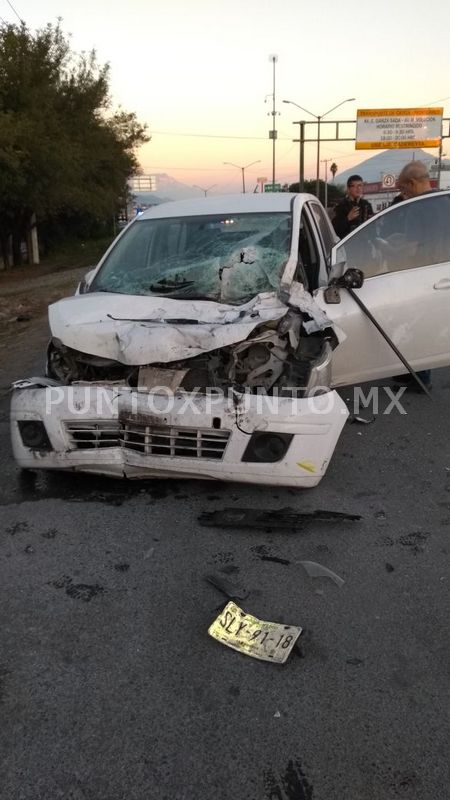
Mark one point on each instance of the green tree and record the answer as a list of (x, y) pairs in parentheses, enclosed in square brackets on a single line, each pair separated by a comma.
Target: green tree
[(334, 192), (63, 151)]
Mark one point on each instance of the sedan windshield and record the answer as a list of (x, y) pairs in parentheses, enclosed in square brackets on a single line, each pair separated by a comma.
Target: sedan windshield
[(229, 259)]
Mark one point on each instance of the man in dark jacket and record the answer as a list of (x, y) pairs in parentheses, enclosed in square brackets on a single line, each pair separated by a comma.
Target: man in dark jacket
[(352, 210)]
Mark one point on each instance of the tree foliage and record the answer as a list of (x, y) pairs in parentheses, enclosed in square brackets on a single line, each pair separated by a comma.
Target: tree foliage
[(334, 191), (63, 150)]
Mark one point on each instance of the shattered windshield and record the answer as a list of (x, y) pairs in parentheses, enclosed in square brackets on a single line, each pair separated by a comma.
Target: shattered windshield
[(228, 258)]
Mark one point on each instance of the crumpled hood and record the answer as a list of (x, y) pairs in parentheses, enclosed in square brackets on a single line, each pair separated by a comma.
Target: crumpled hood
[(137, 330)]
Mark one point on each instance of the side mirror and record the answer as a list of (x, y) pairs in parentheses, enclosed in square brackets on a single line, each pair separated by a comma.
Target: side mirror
[(351, 279)]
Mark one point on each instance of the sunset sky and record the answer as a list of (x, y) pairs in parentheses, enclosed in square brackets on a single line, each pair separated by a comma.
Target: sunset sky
[(199, 73)]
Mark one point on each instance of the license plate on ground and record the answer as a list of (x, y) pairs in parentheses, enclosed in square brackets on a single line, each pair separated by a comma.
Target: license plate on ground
[(268, 641)]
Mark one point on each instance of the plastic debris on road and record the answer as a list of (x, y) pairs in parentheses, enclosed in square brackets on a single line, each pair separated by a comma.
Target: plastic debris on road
[(315, 570), (353, 418)]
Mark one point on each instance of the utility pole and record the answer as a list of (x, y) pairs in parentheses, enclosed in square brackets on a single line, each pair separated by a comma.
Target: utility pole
[(230, 163), (301, 166), (273, 133), (204, 190), (318, 118), (325, 161)]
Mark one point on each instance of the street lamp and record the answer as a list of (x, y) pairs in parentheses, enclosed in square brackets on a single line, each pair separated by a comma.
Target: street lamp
[(230, 164), (325, 161), (319, 117), (273, 133), (204, 190)]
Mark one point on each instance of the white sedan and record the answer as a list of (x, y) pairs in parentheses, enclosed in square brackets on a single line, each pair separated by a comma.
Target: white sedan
[(208, 342)]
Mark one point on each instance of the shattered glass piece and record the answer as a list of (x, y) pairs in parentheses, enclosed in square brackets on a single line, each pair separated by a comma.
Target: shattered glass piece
[(227, 587), (315, 570)]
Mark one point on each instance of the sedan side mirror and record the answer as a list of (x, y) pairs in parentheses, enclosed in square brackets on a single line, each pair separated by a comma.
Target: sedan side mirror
[(351, 279)]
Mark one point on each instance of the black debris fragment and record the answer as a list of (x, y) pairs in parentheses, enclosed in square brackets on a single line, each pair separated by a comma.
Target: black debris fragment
[(275, 559), (303, 643), (355, 662), (227, 587), (24, 318), (389, 567), (284, 518), (355, 419)]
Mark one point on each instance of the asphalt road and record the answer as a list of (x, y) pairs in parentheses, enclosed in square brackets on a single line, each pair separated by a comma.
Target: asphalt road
[(111, 689)]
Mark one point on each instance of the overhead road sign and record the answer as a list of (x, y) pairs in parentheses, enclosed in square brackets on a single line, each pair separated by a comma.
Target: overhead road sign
[(395, 128)]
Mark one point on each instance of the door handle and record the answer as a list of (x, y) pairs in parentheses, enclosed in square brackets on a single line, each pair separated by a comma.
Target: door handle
[(443, 284)]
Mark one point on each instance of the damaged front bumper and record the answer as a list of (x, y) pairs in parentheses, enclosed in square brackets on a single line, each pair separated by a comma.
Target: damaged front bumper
[(123, 432)]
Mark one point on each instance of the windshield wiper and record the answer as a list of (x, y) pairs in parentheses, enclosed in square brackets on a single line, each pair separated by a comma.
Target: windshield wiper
[(162, 286), (101, 289)]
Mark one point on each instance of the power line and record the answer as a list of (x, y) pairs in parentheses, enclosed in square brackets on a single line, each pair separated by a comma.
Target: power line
[(213, 136), (441, 100), (189, 169), (17, 15)]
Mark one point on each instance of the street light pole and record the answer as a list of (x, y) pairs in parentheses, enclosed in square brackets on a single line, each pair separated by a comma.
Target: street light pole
[(319, 117), (318, 157), (273, 133), (230, 163), (204, 190)]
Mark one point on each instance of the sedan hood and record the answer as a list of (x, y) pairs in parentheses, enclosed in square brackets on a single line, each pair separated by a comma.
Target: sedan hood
[(138, 330)]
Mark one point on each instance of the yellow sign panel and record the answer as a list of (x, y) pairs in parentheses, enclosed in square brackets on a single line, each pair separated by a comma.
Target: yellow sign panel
[(389, 128)]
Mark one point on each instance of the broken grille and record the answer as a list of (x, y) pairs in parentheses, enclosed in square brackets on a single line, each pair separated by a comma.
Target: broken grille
[(149, 439), (93, 434), (154, 440)]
